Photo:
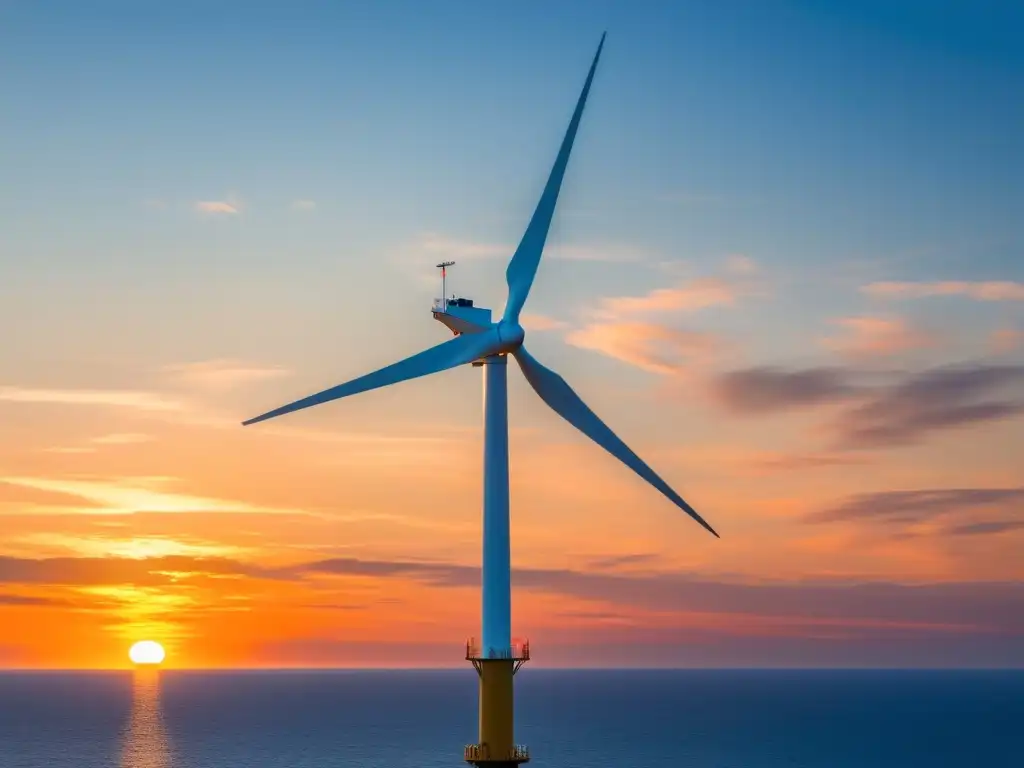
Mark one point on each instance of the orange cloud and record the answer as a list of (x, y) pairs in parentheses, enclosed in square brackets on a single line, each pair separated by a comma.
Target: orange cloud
[(648, 346), (223, 374), (1001, 290), (688, 297), (128, 495), (218, 206), (143, 401), (878, 337), (1006, 340)]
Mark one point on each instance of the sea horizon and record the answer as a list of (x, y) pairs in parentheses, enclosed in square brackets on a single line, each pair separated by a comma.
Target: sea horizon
[(538, 668)]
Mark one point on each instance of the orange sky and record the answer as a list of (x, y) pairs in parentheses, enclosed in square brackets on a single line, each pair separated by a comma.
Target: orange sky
[(301, 543), (795, 290)]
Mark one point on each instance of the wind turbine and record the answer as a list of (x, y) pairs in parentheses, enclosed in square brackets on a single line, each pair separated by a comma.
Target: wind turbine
[(482, 342)]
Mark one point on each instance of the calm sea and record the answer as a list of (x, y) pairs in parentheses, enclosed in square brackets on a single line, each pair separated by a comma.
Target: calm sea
[(570, 719)]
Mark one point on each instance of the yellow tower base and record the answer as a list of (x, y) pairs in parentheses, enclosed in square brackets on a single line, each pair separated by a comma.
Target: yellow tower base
[(497, 747)]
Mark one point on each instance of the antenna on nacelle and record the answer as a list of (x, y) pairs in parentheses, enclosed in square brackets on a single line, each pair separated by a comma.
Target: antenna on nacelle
[(443, 266)]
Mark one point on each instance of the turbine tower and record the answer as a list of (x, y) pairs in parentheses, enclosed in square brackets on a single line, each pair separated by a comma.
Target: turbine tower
[(481, 342)]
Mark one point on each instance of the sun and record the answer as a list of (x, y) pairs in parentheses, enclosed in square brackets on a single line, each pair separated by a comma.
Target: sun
[(146, 652)]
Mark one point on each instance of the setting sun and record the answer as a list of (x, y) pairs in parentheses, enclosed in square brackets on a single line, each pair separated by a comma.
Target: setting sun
[(146, 652)]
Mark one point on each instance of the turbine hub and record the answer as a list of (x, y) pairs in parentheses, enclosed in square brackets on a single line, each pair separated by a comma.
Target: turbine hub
[(511, 334)]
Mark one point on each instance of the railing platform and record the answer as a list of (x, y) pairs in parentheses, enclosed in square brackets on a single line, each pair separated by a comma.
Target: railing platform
[(481, 754), (518, 652)]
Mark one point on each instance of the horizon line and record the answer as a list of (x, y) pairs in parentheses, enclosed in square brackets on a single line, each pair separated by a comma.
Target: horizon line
[(734, 668)]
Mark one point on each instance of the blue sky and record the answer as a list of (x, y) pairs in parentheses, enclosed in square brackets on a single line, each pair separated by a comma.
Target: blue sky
[(790, 236)]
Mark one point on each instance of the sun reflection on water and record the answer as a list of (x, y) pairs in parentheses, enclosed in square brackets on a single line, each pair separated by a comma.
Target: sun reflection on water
[(145, 739)]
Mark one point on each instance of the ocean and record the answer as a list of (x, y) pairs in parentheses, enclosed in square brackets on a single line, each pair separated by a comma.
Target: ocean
[(569, 719)]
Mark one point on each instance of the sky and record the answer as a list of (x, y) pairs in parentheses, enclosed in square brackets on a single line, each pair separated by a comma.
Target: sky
[(786, 267)]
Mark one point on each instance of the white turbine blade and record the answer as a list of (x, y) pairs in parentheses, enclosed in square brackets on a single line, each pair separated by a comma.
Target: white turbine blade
[(458, 351), (560, 397), (523, 266)]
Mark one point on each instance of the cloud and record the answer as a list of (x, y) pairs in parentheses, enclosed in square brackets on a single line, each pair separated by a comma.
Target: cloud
[(769, 389), (622, 326), (1006, 340), (877, 337), (980, 291), (969, 606), (459, 250), (128, 495), (933, 400), (917, 505), (302, 205), (122, 438), (943, 511), (28, 600), (648, 346), (540, 322), (223, 374), (611, 563), (96, 571), (902, 410), (134, 547), (784, 463), (218, 207), (666, 606), (142, 401), (687, 297), (995, 526)]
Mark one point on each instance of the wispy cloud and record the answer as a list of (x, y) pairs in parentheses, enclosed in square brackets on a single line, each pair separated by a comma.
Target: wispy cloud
[(916, 504), (687, 297), (801, 462), (632, 329), (216, 206), (649, 346), (128, 495), (936, 399), (119, 438), (769, 389), (122, 438), (222, 374), (981, 291), (133, 547), (459, 249), (229, 206), (867, 336), (1006, 340), (138, 400), (302, 205), (868, 605), (986, 528), (899, 410), (945, 511)]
